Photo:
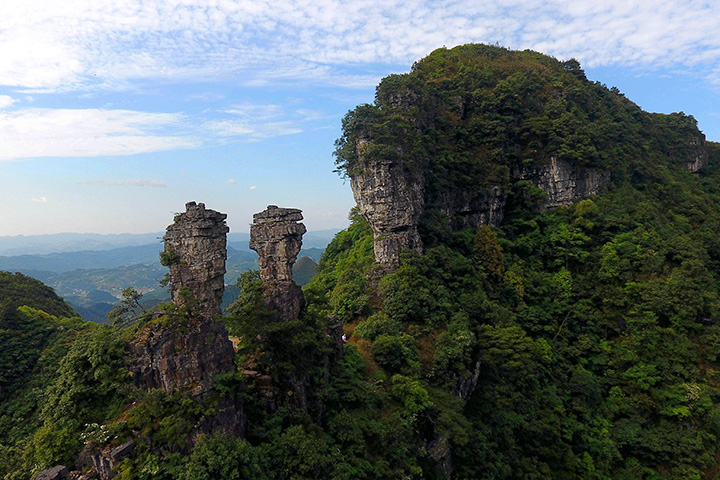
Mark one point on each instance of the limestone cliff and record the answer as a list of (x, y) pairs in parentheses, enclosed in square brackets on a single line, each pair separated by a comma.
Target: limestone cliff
[(563, 182), (276, 236), (392, 199)]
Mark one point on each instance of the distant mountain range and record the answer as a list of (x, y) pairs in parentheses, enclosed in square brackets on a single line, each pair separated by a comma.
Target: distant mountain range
[(81, 242), (92, 279)]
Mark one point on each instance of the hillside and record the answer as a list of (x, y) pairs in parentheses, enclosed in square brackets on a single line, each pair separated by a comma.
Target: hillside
[(530, 288), (24, 337)]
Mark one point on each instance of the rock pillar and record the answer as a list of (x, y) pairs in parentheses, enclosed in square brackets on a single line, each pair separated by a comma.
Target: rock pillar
[(276, 236), (195, 251)]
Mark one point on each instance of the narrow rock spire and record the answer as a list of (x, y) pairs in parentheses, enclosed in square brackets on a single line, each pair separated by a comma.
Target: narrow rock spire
[(276, 236), (195, 251)]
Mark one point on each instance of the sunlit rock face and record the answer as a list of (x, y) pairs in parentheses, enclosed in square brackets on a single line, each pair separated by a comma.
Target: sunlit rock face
[(563, 182), (197, 240), (392, 200), (276, 236), (698, 158)]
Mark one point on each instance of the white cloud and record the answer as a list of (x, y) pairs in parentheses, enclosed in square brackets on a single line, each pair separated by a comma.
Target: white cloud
[(39, 200), (40, 132), (6, 101), (253, 122), (231, 181), (253, 187), (45, 44)]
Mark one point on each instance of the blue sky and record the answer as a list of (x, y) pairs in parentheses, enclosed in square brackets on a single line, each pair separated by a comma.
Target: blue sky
[(114, 113)]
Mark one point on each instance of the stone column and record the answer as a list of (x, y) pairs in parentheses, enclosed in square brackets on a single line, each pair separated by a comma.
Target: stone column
[(195, 249), (276, 236)]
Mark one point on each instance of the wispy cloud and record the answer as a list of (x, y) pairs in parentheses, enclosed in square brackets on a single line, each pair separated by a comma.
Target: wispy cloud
[(231, 181), (134, 182), (86, 132), (39, 200), (45, 44), (253, 122)]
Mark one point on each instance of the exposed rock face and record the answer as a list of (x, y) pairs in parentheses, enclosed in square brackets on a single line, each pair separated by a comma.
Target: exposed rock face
[(472, 208), (102, 461), (196, 243), (465, 386), (181, 357), (276, 236), (58, 472), (392, 199), (562, 182), (699, 156)]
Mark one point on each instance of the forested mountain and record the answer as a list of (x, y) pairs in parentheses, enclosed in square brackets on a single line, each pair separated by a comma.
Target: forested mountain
[(530, 288)]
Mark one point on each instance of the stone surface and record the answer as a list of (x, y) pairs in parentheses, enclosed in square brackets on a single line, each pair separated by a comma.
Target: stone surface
[(562, 182), (698, 154), (197, 239), (59, 472), (276, 236), (392, 199), (102, 460), (181, 355)]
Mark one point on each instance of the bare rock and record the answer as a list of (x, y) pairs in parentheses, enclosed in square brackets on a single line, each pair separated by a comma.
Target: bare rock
[(174, 355), (195, 246), (564, 183), (392, 199), (102, 460), (276, 236), (59, 472), (699, 157)]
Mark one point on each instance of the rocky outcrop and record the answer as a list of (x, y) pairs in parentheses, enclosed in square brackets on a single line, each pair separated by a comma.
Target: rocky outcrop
[(59, 472), (195, 251), (392, 199), (563, 182), (101, 461), (699, 157), (181, 354), (276, 236), (472, 208)]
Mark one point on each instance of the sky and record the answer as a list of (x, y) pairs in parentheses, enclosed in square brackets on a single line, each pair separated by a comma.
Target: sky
[(115, 113)]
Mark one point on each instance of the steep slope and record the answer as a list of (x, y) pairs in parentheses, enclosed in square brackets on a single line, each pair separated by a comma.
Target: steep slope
[(22, 338)]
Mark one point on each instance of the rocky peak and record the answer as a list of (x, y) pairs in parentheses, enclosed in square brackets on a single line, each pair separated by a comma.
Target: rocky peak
[(276, 236), (195, 250)]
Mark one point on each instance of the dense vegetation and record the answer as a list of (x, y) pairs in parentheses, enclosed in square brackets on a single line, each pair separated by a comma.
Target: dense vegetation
[(592, 330)]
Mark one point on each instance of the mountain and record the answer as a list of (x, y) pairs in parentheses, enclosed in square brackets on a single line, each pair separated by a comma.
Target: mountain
[(304, 269), (529, 288), (71, 242)]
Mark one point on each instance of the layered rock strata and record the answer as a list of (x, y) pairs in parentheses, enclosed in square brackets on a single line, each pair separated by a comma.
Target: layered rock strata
[(276, 236), (392, 199), (562, 182), (183, 355), (195, 249)]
